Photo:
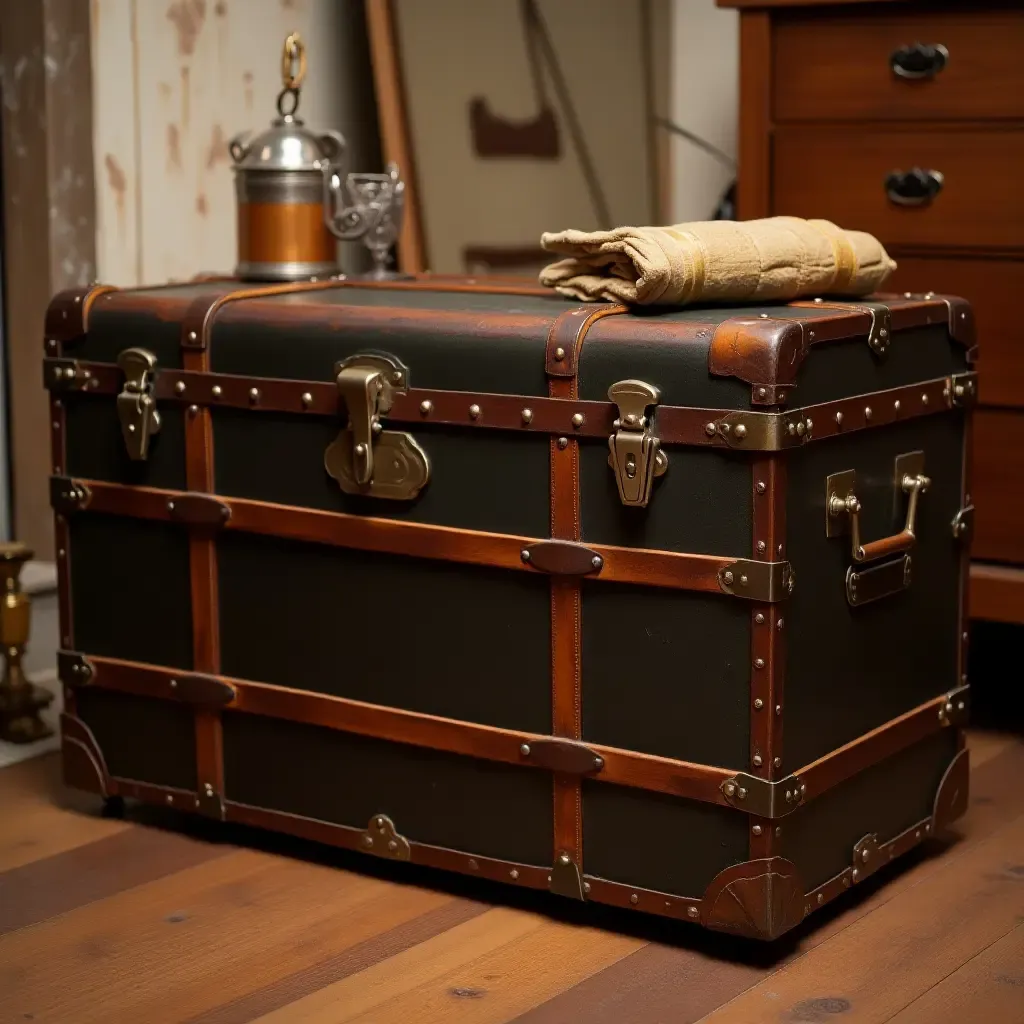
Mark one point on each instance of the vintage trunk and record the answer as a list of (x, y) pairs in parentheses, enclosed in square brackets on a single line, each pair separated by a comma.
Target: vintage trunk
[(659, 609)]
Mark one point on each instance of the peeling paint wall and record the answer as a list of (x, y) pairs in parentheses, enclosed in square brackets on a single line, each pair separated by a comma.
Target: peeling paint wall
[(173, 80)]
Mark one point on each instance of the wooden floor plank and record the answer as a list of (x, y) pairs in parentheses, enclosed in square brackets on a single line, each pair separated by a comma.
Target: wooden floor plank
[(875, 966), (988, 988), (39, 820), (208, 934), (685, 973), (484, 972), (986, 745)]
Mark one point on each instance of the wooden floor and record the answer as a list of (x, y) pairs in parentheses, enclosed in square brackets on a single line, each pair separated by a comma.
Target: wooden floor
[(162, 918)]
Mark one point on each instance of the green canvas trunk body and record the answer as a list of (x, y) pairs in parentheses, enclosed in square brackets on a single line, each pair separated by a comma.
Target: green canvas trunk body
[(702, 706)]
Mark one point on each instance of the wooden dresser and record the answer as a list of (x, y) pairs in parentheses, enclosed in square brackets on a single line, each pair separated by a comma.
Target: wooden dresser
[(907, 120)]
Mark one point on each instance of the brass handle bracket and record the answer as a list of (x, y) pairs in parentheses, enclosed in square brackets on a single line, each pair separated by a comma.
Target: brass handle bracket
[(843, 508)]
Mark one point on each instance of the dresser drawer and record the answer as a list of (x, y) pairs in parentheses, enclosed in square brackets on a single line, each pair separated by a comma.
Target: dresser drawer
[(827, 67), (995, 288), (998, 486), (843, 174)]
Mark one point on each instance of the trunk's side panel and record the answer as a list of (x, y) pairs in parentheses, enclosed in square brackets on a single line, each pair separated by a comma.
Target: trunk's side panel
[(456, 641), (885, 799), (446, 800), (850, 669), (658, 842), (130, 589), (666, 673)]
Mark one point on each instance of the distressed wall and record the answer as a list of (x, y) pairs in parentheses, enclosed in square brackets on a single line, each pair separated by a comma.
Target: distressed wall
[(173, 80)]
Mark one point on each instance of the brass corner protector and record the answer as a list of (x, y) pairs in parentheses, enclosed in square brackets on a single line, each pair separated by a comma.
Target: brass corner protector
[(74, 669), (867, 857), (565, 879), (762, 431), (67, 495), (957, 708), (951, 797), (383, 840), (765, 582), (759, 899), (210, 803), (763, 798)]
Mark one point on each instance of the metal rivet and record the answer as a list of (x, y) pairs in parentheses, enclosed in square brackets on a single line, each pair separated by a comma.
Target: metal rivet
[(307, 399), (819, 300), (393, 845), (839, 418), (743, 581), (927, 829), (563, 442), (960, 705), (780, 623), (170, 506), (527, 415), (426, 406), (741, 793), (192, 336), (778, 709), (759, 618), (180, 387), (865, 855), (856, 874), (216, 391), (174, 684), (598, 763), (867, 412), (762, 392), (757, 764), (474, 412), (740, 431), (963, 636), (473, 866), (56, 425), (778, 831), (780, 552), (193, 409), (846, 882), (360, 449), (761, 487), (896, 405), (821, 897), (764, 316), (597, 561), (564, 858), (209, 789), (367, 841), (525, 554), (801, 428), (761, 546), (634, 899), (577, 420), (525, 750), (791, 428), (169, 798), (757, 830), (559, 354), (693, 912), (62, 553), (586, 887), (758, 703), (513, 874), (730, 788), (709, 429), (254, 395), (811, 335), (759, 663), (728, 577)]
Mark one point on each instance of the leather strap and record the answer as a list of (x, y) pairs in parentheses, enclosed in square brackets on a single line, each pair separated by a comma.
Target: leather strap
[(565, 340)]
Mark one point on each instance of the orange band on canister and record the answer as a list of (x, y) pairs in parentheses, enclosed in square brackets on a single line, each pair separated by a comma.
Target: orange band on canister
[(284, 233)]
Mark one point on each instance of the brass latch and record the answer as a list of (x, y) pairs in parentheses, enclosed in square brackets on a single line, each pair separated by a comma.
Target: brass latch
[(636, 456), (365, 458), (136, 407), (843, 507)]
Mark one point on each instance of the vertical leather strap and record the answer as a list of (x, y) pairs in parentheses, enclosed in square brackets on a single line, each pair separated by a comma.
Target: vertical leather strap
[(564, 343), (67, 320), (767, 645)]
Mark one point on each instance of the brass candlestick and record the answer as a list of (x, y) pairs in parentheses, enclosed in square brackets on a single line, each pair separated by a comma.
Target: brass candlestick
[(20, 701)]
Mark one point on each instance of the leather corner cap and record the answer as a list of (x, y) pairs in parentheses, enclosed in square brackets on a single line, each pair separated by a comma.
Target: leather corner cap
[(68, 312), (758, 351), (759, 899)]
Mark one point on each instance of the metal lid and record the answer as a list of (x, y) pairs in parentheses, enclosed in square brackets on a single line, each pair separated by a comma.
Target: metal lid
[(287, 145)]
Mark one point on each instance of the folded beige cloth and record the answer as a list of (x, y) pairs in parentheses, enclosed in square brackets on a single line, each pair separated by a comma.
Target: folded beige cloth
[(778, 258)]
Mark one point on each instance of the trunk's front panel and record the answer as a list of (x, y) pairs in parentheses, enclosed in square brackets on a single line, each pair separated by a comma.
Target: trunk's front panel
[(658, 842), (130, 589), (456, 641), (851, 669), (435, 798)]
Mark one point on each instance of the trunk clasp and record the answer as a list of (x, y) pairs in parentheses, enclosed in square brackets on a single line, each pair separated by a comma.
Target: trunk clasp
[(636, 457), (136, 406)]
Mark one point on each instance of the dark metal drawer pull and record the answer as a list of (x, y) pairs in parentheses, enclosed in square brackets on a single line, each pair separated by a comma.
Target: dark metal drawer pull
[(920, 60), (914, 187)]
